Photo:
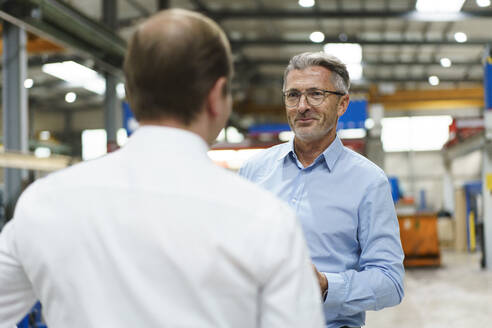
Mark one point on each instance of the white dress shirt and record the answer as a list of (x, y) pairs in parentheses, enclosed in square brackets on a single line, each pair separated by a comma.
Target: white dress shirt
[(156, 235)]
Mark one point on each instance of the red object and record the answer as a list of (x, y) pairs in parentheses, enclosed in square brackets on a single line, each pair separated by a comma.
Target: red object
[(463, 128)]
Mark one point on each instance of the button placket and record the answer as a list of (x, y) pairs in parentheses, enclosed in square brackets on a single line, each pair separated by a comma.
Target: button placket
[(296, 195)]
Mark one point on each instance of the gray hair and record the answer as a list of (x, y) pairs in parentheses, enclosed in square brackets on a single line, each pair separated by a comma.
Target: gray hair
[(340, 78)]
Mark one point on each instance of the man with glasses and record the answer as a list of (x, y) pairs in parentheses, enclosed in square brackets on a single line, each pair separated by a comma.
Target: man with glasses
[(341, 198)]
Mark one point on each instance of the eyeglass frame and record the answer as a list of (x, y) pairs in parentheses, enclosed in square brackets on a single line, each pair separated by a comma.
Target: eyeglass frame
[(303, 93)]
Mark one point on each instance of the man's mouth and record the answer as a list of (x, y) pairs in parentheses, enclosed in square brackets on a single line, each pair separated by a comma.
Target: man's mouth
[(305, 119)]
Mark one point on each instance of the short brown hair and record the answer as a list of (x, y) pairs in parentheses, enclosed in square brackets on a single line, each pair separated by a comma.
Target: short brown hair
[(340, 78), (172, 62)]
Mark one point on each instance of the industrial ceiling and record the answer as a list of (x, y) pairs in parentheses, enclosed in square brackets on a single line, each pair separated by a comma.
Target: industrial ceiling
[(401, 48)]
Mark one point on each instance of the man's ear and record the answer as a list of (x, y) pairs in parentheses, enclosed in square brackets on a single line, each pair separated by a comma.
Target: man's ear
[(343, 104), (217, 96)]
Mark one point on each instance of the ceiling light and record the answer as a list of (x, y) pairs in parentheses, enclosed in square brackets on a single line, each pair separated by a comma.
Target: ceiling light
[(77, 75), (306, 3), (483, 3), (350, 54), (439, 6), (70, 97), (433, 80), (28, 83), (317, 37), (460, 37), (445, 62)]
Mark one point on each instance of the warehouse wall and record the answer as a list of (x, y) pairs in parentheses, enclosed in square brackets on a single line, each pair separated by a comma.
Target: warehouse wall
[(425, 171)]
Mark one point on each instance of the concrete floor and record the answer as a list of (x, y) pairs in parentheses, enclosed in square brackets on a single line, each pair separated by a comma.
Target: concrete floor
[(456, 295)]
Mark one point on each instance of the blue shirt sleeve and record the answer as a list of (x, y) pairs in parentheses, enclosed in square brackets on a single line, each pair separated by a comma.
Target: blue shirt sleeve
[(378, 283)]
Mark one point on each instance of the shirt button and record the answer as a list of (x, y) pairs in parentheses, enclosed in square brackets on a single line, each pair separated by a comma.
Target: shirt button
[(294, 200)]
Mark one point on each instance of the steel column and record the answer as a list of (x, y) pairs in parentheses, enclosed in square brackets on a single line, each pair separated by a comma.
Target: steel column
[(374, 149), (111, 117), (14, 104), (447, 187), (487, 161)]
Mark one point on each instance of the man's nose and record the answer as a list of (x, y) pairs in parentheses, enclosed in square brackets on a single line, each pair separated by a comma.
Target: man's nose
[(303, 104)]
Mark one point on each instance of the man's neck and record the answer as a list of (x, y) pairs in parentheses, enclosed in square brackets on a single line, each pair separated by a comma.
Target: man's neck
[(308, 151)]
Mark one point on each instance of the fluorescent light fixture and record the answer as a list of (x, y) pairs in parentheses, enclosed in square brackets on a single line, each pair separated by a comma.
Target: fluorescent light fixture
[(44, 135), (42, 152), (445, 62), (439, 6), (483, 3), (306, 3), (417, 133), (350, 54), (355, 71), (460, 37), (94, 143), (70, 97), (28, 83), (351, 133), (317, 37), (433, 80), (77, 75)]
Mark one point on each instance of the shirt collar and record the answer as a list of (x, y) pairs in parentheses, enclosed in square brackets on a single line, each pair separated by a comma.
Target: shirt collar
[(286, 149), (158, 139), (331, 154)]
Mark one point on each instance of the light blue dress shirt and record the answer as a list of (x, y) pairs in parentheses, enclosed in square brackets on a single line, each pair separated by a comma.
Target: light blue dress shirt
[(344, 204)]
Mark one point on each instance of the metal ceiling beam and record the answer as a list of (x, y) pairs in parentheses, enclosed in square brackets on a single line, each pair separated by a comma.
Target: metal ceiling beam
[(270, 78), (139, 7), (284, 62), (353, 39), (344, 14), (200, 6), (64, 24)]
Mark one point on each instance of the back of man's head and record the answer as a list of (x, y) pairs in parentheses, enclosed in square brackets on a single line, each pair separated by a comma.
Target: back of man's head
[(173, 60)]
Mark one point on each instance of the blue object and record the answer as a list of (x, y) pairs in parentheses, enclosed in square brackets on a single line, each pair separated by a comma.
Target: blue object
[(395, 188), (129, 121), (34, 319), (472, 189), (355, 116), (344, 204), (422, 200), (268, 128), (487, 82)]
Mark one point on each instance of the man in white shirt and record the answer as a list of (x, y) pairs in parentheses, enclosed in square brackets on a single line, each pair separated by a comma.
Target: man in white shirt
[(154, 234)]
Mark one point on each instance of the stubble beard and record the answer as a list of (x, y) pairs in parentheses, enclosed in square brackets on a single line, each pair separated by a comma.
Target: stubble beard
[(312, 133)]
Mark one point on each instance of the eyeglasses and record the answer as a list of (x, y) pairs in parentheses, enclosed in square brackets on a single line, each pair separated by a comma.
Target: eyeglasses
[(314, 97)]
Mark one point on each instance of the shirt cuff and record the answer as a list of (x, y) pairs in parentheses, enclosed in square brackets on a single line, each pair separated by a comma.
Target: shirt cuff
[(337, 289)]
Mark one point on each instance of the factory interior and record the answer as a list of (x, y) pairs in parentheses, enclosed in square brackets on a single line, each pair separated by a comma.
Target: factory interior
[(420, 108)]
